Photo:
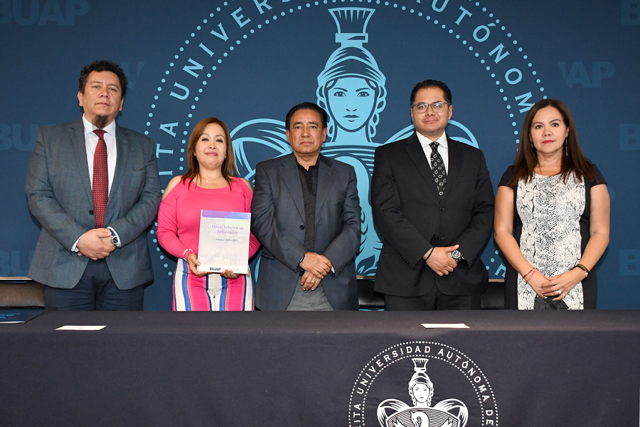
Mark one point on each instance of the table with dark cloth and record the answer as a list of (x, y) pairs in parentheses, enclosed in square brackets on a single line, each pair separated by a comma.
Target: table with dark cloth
[(321, 369)]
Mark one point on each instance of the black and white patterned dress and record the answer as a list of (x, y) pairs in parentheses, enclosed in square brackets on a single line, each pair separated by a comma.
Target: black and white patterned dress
[(551, 225)]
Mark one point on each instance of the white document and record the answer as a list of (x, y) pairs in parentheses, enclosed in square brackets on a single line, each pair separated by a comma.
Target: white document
[(81, 327), (224, 241), (445, 325)]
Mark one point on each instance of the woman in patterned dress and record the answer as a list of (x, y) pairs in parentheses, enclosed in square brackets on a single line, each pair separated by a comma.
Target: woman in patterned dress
[(551, 215), (210, 183)]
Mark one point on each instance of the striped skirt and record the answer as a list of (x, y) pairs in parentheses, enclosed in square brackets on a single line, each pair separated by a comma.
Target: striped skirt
[(211, 292)]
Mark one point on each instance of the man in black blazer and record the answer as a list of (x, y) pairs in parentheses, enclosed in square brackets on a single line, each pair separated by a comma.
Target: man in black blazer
[(433, 204)]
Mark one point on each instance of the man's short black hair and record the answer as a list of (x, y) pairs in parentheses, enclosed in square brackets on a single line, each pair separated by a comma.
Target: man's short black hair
[(431, 83), (103, 65), (307, 106)]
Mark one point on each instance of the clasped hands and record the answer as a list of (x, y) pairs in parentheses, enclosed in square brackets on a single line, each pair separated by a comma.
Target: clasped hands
[(315, 267), (556, 287), (95, 244), (439, 259)]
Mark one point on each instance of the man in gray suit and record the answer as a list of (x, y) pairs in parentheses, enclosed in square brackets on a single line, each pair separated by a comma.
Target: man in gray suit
[(306, 214), (94, 188)]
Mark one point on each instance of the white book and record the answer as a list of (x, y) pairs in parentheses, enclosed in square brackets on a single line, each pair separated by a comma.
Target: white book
[(224, 241)]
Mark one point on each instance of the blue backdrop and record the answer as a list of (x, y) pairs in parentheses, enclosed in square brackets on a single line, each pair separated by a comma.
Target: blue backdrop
[(248, 61)]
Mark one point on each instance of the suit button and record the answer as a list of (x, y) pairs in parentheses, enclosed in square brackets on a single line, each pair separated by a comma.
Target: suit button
[(302, 227), (441, 208), (435, 239), (91, 212)]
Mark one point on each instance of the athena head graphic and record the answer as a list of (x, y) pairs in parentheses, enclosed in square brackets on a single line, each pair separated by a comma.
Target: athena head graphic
[(420, 385), (351, 87)]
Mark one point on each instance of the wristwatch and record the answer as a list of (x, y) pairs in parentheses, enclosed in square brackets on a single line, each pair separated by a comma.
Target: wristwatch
[(114, 238), (457, 256)]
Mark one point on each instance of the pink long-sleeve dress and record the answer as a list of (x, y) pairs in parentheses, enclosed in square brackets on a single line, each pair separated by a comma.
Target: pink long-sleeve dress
[(179, 229)]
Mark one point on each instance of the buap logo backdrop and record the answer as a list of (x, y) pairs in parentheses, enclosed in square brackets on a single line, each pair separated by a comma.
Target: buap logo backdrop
[(248, 62)]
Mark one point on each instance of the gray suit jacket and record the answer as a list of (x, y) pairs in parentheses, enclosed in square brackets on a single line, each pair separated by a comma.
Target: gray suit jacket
[(278, 221), (59, 195)]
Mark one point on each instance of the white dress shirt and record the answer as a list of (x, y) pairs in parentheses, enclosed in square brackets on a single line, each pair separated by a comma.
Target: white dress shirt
[(443, 148), (90, 143)]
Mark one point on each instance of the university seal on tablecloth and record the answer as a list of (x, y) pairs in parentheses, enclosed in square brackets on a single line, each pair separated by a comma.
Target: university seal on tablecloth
[(422, 384)]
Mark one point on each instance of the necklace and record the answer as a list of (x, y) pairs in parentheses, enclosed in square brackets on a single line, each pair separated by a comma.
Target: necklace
[(204, 180)]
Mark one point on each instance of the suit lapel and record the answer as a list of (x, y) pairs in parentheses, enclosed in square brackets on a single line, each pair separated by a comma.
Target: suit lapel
[(419, 159), (122, 149), (455, 163), (326, 176), (291, 178), (80, 151)]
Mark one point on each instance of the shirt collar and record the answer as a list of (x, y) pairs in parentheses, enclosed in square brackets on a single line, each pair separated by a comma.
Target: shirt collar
[(310, 167), (89, 127), (424, 141)]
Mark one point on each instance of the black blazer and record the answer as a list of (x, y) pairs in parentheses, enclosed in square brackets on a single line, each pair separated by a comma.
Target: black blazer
[(412, 218)]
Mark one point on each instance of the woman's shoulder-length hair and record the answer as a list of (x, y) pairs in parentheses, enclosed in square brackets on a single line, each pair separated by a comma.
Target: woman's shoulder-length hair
[(574, 163)]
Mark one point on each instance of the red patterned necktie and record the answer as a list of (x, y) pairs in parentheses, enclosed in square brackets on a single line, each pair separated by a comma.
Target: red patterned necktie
[(100, 179)]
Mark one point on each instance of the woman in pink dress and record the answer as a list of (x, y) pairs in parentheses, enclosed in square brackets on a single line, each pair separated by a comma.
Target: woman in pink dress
[(211, 183)]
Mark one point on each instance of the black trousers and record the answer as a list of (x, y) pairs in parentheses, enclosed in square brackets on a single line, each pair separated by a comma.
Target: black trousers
[(96, 290), (434, 300)]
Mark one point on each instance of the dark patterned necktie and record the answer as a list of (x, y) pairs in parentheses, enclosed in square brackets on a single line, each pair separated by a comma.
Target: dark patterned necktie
[(100, 179), (437, 167)]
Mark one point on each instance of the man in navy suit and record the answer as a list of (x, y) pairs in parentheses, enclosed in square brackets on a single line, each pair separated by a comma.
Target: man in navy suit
[(432, 201), (94, 188), (306, 214)]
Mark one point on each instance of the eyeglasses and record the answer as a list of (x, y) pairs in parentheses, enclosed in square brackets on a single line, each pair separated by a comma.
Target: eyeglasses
[(423, 107)]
